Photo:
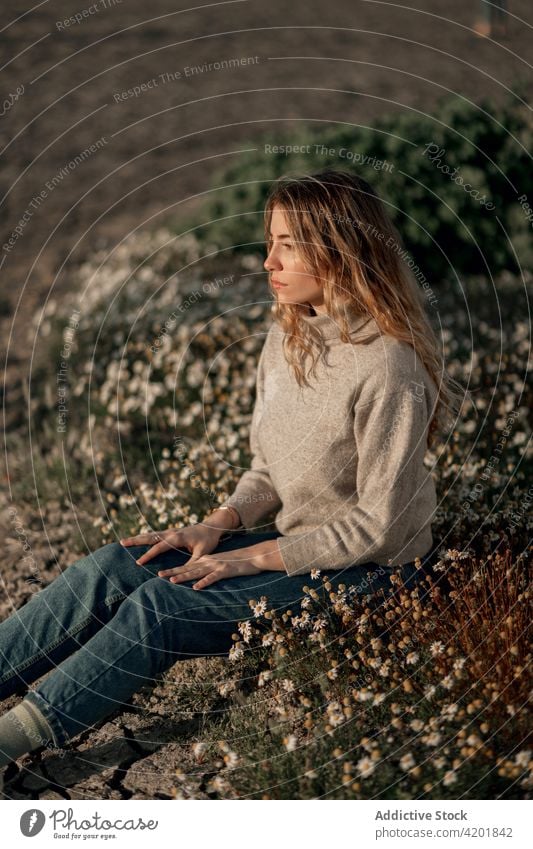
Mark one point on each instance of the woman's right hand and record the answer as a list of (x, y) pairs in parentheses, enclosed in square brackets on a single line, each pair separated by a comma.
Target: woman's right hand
[(198, 539)]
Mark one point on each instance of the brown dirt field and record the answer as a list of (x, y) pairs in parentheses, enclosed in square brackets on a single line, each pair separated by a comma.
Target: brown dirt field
[(347, 61)]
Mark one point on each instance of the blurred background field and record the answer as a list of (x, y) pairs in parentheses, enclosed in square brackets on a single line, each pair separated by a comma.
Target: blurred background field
[(144, 314)]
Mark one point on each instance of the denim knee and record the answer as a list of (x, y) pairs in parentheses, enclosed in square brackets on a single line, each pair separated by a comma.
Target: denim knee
[(109, 564), (155, 603), (174, 622), (108, 557)]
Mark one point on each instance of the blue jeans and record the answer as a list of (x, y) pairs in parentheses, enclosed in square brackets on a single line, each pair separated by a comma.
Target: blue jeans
[(106, 626)]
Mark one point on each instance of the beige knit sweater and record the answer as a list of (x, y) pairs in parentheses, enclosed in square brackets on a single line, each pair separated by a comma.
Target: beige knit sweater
[(341, 461)]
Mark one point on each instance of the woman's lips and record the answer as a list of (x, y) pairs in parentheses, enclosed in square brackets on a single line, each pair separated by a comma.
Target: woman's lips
[(277, 285)]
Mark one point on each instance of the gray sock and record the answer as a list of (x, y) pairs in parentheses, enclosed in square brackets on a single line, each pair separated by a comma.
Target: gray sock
[(23, 729)]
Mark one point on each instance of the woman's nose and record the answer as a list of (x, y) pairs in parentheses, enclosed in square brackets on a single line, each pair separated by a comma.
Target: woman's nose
[(271, 262)]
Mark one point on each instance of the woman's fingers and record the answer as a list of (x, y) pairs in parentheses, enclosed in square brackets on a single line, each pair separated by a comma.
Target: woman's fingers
[(194, 560), (159, 548), (207, 570), (189, 571), (204, 575), (164, 573), (141, 539), (186, 569), (213, 576)]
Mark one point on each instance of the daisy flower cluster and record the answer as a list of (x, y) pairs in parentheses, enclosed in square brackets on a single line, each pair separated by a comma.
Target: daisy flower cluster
[(421, 692)]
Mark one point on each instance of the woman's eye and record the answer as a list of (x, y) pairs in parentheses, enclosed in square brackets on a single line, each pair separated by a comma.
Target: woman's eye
[(286, 245)]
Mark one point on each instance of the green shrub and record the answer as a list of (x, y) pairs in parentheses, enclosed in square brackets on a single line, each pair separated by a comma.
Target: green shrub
[(446, 230)]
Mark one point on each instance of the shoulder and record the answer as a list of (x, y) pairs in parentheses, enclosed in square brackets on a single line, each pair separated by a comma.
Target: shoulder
[(273, 339), (269, 353), (388, 366)]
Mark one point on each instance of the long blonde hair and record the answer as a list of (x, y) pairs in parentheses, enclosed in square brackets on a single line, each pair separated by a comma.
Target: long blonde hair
[(345, 236)]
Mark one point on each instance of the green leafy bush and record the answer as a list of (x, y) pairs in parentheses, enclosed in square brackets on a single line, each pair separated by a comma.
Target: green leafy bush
[(449, 228)]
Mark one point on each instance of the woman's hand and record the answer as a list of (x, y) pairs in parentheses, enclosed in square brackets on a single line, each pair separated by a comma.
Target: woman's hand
[(198, 539), (208, 569)]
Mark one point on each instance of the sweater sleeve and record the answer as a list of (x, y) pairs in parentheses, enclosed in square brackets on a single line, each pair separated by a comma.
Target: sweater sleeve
[(391, 485), (255, 496)]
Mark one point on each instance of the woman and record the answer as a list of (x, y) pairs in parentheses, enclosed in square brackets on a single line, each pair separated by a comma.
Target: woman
[(337, 453)]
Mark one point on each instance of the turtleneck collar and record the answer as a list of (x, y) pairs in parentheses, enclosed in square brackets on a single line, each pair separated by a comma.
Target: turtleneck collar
[(330, 329)]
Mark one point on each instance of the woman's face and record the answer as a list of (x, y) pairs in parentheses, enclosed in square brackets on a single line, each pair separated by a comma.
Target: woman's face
[(286, 267)]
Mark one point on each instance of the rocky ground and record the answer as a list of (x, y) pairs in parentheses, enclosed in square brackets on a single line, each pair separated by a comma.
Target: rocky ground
[(134, 756)]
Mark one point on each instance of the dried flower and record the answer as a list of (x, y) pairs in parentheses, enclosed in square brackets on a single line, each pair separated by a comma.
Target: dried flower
[(407, 762), (365, 767), (245, 629), (290, 742), (260, 607), (449, 778)]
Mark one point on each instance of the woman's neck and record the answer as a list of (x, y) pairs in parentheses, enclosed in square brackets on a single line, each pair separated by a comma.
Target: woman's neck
[(329, 327)]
